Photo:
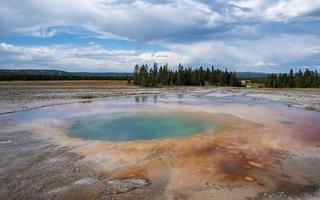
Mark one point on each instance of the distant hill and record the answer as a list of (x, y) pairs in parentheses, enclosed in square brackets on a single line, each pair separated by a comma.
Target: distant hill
[(60, 73), (35, 74), (243, 75)]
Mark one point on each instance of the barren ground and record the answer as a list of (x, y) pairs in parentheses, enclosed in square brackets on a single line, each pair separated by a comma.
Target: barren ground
[(43, 167)]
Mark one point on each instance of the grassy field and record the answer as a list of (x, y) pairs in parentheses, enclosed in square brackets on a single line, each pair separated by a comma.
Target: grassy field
[(67, 84)]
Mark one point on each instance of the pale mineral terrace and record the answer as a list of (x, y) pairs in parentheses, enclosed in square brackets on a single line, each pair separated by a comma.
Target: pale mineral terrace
[(258, 153)]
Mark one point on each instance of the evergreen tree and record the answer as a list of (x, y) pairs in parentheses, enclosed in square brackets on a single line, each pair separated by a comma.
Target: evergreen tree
[(183, 76)]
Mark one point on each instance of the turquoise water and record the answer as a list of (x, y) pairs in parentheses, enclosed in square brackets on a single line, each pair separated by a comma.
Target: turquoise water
[(133, 126)]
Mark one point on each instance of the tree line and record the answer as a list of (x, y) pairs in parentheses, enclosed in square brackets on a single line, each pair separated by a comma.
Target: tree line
[(306, 79), (187, 76), (34, 77)]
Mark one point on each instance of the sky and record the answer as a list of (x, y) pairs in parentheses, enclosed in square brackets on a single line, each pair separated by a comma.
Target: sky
[(114, 35)]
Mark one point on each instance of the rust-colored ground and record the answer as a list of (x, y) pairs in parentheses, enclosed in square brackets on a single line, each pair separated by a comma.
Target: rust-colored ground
[(256, 150), (242, 159)]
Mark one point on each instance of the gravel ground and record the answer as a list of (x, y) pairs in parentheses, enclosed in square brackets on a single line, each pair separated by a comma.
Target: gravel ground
[(33, 168)]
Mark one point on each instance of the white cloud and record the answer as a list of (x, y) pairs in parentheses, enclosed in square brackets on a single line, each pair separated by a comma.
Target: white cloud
[(89, 58), (285, 9), (275, 10), (247, 34), (138, 20), (266, 54), (145, 20)]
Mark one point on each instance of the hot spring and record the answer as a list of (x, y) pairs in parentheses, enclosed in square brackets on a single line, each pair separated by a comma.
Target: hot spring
[(186, 143), (125, 126)]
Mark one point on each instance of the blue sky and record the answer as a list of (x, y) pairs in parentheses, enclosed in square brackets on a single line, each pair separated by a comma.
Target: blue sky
[(113, 35)]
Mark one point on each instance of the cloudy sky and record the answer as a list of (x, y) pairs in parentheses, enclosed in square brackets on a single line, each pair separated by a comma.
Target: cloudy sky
[(114, 35)]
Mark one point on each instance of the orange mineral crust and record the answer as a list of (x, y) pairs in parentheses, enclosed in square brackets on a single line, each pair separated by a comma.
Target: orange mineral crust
[(251, 150), (241, 156)]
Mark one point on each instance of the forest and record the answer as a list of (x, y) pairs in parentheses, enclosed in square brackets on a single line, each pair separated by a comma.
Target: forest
[(187, 76), (36, 75), (199, 76), (184, 76), (306, 79)]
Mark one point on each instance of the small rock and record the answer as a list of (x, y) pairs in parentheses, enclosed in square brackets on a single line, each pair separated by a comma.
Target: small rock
[(249, 178), (85, 181)]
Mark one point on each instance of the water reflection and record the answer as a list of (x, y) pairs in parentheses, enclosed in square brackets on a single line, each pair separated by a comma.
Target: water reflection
[(196, 99), (145, 99), (131, 102), (180, 95), (155, 99), (142, 99), (137, 99)]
